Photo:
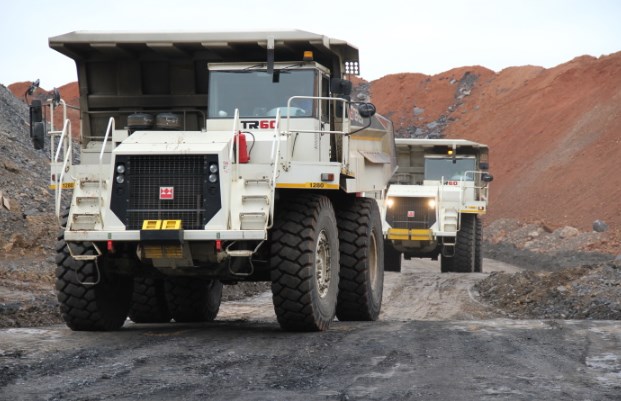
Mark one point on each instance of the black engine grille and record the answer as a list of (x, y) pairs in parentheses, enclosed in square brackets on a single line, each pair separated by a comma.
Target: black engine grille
[(194, 199), (421, 215)]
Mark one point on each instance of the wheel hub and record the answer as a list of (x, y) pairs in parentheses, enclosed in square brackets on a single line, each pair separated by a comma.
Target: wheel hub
[(322, 264)]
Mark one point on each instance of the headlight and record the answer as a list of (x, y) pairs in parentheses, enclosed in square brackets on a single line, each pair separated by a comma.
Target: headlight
[(120, 168), (213, 178), (390, 202), (120, 179), (431, 203), (213, 168)]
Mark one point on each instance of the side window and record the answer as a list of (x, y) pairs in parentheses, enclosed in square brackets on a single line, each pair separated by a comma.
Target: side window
[(325, 104)]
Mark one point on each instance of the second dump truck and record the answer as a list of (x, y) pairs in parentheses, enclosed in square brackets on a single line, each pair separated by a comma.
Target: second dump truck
[(435, 202)]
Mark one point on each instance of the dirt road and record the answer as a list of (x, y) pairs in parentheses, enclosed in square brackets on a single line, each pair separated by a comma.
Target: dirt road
[(435, 341)]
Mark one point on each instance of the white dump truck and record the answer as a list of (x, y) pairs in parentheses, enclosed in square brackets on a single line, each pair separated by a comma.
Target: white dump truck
[(434, 203), (213, 158)]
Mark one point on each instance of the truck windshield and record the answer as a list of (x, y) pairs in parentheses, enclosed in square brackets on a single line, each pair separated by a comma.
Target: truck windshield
[(443, 167), (255, 93)]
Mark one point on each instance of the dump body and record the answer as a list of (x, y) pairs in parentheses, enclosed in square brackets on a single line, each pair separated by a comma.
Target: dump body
[(193, 143)]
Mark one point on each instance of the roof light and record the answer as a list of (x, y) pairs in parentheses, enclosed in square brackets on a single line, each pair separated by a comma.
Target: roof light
[(352, 67), (308, 55)]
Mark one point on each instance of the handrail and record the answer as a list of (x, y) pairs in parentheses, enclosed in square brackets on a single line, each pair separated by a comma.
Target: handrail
[(235, 172), (288, 117), (236, 144), (289, 153), (274, 157), (68, 154), (109, 129)]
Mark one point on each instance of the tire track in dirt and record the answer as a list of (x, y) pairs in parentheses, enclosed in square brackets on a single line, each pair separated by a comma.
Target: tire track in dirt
[(419, 292)]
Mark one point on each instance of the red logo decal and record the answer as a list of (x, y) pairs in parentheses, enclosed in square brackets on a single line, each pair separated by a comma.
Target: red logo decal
[(167, 193), (411, 213)]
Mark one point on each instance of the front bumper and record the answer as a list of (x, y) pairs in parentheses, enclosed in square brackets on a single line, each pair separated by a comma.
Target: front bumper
[(188, 235)]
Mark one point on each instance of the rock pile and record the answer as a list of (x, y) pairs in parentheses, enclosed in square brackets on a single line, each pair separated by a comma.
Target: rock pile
[(26, 203), (585, 292), (563, 278)]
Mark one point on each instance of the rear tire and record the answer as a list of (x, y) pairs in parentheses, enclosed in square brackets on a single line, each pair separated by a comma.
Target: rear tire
[(392, 258), (361, 244), (149, 301), (193, 300), (463, 261), (304, 263)]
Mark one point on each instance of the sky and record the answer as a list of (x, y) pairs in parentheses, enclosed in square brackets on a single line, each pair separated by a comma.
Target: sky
[(393, 36)]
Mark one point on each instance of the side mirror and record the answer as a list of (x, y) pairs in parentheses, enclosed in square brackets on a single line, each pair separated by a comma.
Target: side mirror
[(366, 110), (340, 86), (487, 177), (37, 127)]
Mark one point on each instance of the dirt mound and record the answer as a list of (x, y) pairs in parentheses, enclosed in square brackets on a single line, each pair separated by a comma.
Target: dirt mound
[(553, 133), (26, 203), (585, 292), (564, 277)]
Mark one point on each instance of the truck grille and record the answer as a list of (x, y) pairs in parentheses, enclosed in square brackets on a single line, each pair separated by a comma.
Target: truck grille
[(411, 213), (166, 187)]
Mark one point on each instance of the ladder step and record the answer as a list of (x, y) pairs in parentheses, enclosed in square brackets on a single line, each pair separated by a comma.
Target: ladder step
[(258, 181), (255, 215), (252, 220), (87, 199), (241, 253), (90, 183), (263, 198)]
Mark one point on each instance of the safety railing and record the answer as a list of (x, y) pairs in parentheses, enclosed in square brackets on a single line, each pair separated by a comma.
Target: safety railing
[(275, 155), (288, 130), (109, 131), (64, 144)]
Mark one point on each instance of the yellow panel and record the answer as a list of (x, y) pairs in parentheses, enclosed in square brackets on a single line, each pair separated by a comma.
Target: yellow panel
[(173, 251), (421, 235), (151, 224), (64, 185), (310, 185), (398, 234), (153, 251), (472, 211), (171, 225)]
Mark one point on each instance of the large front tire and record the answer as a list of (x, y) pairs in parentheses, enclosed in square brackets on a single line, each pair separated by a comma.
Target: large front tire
[(90, 307), (463, 261), (304, 263), (392, 258), (478, 250), (362, 260)]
